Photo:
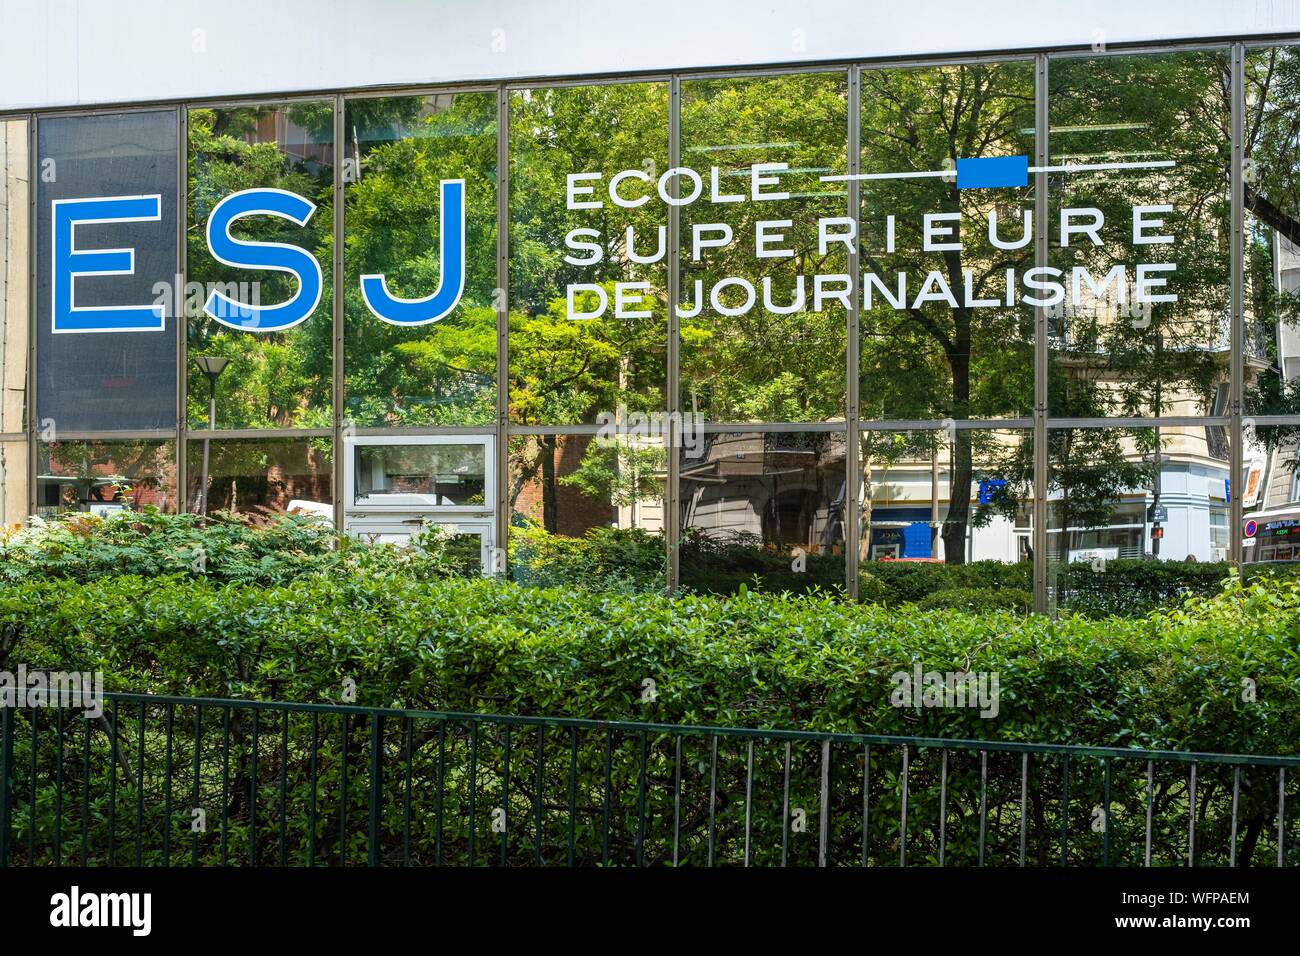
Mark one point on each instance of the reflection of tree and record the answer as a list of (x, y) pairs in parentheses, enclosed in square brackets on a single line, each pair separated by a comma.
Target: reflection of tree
[(935, 360), (1272, 197), (279, 378), (398, 150)]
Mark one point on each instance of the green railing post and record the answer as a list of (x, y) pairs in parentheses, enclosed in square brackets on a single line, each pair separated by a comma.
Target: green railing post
[(376, 786), (6, 767)]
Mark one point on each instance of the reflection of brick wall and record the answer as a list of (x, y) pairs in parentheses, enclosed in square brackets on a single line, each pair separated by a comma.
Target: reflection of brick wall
[(575, 512)]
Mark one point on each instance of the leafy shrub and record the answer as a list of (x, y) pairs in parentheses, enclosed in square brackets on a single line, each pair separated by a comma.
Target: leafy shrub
[(978, 599), (220, 547), (610, 559), (1172, 679)]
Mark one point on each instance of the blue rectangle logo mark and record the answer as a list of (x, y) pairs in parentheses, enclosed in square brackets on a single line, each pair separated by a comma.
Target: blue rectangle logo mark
[(993, 172)]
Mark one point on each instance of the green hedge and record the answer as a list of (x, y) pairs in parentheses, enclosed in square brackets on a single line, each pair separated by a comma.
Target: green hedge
[(1170, 680)]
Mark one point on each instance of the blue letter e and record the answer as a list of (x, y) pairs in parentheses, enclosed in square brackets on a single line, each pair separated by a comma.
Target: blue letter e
[(68, 262), (451, 278), (276, 256)]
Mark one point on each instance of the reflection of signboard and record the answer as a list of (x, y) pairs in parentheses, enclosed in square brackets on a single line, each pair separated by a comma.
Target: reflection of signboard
[(1157, 532), (1092, 554), (1254, 479), (1158, 513), (1252, 526), (990, 487)]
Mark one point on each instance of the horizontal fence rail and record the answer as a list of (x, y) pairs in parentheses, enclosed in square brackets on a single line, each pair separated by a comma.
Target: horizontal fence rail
[(171, 781)]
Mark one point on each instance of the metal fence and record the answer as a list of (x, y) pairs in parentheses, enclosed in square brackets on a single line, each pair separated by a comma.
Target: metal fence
[(190, 781)]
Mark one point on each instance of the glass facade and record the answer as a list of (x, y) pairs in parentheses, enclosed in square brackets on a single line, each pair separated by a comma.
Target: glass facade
[(777, 328)]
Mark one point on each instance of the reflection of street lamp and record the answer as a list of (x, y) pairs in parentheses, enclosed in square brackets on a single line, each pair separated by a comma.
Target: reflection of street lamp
[(211, 366)]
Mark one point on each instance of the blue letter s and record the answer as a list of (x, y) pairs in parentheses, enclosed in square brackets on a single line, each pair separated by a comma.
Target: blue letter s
[(276, 256)]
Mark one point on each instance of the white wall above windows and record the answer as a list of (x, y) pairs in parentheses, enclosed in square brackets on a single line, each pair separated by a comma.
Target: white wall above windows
[(86, 52)]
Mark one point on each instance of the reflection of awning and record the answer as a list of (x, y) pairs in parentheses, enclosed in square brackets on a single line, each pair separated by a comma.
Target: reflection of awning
[(98, 480), (752, 465)]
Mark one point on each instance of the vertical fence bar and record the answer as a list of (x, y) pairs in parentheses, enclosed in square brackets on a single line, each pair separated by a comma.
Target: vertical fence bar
[(1191, 817), (311, 792), (573, 789), (1105, 818), (609, 756), (1236, 796), (58, 785), (1065, 808), (167, 785), (195, 796), (677, 797), (408, 734), (713, 794), (225, 782), (537, 794), (6, 771), (785, 807), (1150, 793), (1281, 813), (984, 802), (343, 791), (442, 783), (284, 769), (376, 788), (866, 798), (112, 786), (139, 788), (31, 793), (823, 830), (255, 721), (640, 803), (1024, 802), (473, 784), (943, 804), (902, 820), (749, 793), (505, 798), (85, 793)]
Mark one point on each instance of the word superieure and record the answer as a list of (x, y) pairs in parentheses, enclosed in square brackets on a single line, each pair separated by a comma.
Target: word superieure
[(737, 295)]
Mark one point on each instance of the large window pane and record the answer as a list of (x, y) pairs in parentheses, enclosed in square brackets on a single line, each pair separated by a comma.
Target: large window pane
[(910, 513), (1272, 218), (1139, 228), (759, 343), (399, 150), (271, 379), (14, 200), (105, 476), (588, 509), (588, 324), (261, 477), (763, 509), (118, 380), (1120, 500), (942, 335)]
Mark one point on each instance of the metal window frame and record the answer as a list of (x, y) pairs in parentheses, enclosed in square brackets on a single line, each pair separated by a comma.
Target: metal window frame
[(853, 426)]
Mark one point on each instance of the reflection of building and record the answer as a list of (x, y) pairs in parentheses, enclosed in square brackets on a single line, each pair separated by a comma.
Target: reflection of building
[(1270, 489), (783, 489)]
